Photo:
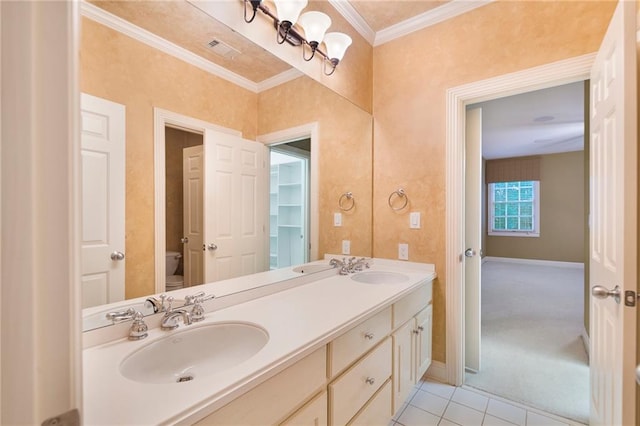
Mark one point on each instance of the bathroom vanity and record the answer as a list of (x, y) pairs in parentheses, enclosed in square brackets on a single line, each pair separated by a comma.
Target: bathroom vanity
[(322, 348)]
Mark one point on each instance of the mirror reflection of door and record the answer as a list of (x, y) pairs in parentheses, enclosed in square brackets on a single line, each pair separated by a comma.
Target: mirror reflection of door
[(184, 205), (289, 204)]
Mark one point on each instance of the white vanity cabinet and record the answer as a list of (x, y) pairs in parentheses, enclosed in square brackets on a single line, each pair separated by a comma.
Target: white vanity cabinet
[(411, 342)]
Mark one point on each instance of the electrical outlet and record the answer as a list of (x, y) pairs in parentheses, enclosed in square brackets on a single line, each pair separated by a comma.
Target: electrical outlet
[(346, 247), (403, 251), (337, 219)]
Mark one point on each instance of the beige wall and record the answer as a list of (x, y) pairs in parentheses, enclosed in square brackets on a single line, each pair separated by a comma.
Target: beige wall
[(562, 215), (118, 68), (411, 77), (345, 133)]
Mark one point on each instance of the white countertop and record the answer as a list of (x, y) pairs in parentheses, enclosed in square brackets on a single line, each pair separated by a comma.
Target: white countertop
[(298, 320)]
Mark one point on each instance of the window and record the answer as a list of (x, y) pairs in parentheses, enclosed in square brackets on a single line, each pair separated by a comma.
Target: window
[(514, 208)]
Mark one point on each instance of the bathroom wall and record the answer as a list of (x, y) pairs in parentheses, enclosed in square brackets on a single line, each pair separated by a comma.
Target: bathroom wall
[(176, 141), (118, 68), (345, 135), (562, 215), (411, 77)]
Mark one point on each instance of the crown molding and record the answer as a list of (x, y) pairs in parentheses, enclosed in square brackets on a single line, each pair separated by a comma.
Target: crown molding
[(347, 11), (279, 79), (127, 28), (431, 17)]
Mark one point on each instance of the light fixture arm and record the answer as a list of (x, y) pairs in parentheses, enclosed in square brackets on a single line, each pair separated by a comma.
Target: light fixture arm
[(254, 5), (287, 32)]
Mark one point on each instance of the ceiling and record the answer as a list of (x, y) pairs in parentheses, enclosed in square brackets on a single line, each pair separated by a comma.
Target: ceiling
[(509, 124), (546, 121)]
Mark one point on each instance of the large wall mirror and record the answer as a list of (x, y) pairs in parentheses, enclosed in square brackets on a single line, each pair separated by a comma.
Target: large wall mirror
[(124, 63)]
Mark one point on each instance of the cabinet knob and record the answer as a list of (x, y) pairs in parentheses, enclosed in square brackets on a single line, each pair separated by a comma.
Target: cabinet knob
[(416, 331), (370, 380), (368, 336), (421, 328)]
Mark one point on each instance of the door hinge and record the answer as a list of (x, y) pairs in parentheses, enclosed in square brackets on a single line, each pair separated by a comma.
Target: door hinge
[(630, 298), (70, 418)]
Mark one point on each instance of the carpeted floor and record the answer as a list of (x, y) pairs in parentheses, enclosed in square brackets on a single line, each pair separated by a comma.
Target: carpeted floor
[(531, 349)]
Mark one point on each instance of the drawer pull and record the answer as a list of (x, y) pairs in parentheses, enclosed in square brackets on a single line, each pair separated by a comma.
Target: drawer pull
[(368, 336), (421, 328), (370, 380), (416, 331)]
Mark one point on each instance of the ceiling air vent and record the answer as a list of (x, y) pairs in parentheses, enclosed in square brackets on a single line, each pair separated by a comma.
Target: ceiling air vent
[(222, 49)]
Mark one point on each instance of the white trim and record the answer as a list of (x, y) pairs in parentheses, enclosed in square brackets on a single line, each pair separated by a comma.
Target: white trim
[(161, 119), (561, 72), (352, 16), (431, 17), (309, 130), (127, 28), (536, 262), (279, 79), (437, 371)]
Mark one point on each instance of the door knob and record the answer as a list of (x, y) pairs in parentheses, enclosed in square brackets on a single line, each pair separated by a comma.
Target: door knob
[(212, 247), (469, 252), (184, 240), (117, 255), (602, 293)]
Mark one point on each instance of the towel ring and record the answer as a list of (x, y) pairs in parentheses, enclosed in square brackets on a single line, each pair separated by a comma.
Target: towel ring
[(401, 194), (343, 202)]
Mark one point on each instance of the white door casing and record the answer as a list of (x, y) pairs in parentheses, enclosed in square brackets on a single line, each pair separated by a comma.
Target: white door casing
[(103, 203), (473, 238), (541, 77), (613, 214), (235, 206), (193, 222)]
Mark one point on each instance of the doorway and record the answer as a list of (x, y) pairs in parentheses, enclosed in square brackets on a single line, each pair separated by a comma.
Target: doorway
[(289, 203), (183, 206)]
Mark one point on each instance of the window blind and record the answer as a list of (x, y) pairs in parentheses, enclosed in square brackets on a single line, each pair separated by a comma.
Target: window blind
[(513, 169)]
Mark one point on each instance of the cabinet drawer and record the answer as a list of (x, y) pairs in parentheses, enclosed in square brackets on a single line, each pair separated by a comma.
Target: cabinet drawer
[(314, 413), (405, 308), (349, 346), (377, 412), (271, 401), (349, 392)]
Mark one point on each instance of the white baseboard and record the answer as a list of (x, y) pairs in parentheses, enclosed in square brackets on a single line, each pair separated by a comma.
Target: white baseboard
[(437, 371), (577, 265), (586, 341)]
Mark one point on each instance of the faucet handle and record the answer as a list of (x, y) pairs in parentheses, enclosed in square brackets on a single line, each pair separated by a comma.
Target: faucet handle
[(191, 298), (139, 329), (120, 316), (197, 312), (169, 303)]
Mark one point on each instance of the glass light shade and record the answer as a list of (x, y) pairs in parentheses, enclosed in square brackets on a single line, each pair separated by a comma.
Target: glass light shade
[(314, 24), (337, 44), (289, 10)]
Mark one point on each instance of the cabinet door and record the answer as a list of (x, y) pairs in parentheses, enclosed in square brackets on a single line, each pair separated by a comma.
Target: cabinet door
[(377, 412), (403, 363), (314, 413), (423, 341)]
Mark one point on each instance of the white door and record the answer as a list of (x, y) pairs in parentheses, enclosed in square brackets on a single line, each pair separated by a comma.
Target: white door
[(235, 207), (193, 223), (473, 237), (103, 192), (613, 249)]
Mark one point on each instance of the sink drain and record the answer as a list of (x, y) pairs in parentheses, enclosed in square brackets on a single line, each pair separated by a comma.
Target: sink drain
[(187, 378)]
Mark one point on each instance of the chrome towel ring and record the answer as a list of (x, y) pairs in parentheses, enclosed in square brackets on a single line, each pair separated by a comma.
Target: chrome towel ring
[(343, 202), (400, 194)]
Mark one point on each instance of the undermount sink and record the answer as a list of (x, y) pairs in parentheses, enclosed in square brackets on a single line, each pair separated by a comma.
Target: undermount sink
[(380, 277), (195, 352), (309, 269)]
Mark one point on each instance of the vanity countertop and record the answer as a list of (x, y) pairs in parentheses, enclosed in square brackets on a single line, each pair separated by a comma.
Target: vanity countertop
[(298, 320)]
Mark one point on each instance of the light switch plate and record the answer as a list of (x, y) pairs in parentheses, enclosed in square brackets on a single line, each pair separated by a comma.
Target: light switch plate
[(346, 247), (337, 219), (414, 220), (403, 251)]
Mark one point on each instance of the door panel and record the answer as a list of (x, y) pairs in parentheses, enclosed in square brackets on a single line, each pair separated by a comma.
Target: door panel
[(193, 226), (613, 242), (103, 192), (473, 237)]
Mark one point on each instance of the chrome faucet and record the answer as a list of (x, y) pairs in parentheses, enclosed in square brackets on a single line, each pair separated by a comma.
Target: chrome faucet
[(350, 265), (342, 264), (155, 304), (139, 329), (170, 318)]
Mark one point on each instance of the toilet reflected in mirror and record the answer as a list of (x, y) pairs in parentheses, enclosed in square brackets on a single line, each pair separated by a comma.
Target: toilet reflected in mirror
[(174, 282)]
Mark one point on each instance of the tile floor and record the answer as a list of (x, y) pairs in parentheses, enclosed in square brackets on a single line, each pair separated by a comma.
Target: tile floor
[(436, 404)]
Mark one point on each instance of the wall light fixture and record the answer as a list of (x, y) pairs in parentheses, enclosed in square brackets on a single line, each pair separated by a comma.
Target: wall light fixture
[(314, 25)]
